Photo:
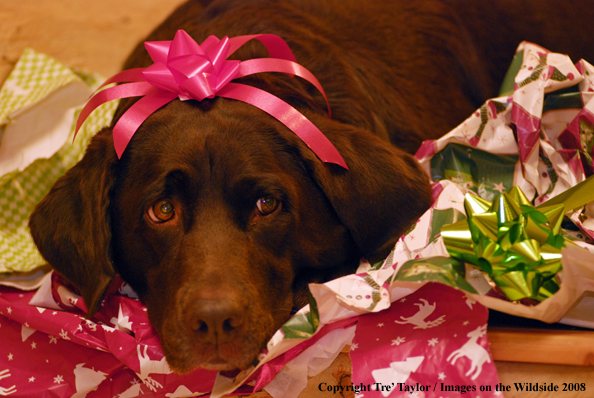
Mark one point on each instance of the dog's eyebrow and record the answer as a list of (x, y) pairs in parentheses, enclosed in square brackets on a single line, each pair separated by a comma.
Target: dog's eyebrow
[(176, 182), (260, 184)]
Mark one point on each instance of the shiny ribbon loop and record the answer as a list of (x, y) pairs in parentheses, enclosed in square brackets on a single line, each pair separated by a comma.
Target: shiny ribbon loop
[(517, 245), (186, 70)]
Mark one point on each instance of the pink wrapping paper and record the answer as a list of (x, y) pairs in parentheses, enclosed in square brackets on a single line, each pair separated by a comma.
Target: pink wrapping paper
[(432, 342), (51, 350)]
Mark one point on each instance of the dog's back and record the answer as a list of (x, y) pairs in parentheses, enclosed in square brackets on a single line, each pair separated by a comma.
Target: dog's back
[(406, 70)]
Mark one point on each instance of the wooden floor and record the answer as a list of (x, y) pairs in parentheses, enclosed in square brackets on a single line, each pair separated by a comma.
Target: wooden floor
[(97, 35)]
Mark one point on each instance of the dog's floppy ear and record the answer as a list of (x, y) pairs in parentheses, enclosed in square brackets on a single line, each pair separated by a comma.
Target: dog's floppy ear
[(70, 226), (380, 196)]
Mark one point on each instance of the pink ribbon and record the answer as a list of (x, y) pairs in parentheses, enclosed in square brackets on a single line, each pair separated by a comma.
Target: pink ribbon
[(186, 70)]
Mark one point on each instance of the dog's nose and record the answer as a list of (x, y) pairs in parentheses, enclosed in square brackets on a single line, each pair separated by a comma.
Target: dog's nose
[(215, 320)]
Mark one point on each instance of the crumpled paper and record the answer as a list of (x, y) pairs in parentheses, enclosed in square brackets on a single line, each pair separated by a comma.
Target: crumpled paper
[(422, 257), (48, 345), (124, 357), (545, 98), (528, 109), (38, 102)]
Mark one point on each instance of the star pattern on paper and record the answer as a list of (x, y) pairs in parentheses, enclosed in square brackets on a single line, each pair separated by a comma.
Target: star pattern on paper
[(31, 379), (499, 187), (64, 335), (399, 340), (53, 339), (354, 346), (9, 309), (33, 345), (379, 325), (58, 379), (10, 356), (465, 323), (433, 342), (441, 376)]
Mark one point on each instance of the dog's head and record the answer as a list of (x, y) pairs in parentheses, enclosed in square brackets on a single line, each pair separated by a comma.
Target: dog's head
[(218, 216)]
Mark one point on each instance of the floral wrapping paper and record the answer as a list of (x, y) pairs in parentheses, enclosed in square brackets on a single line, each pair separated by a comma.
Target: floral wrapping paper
[(415, 323)]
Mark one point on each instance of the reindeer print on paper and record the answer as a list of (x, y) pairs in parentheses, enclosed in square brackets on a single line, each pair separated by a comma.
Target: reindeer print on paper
[(420, 318), (476, 353), (436, 324), (148, 366)]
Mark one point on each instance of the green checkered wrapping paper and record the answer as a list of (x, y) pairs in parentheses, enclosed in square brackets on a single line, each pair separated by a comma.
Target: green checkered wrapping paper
[(34, 77)]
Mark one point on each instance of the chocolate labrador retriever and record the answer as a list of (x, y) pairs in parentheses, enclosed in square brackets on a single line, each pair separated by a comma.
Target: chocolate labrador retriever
[(219, 216)]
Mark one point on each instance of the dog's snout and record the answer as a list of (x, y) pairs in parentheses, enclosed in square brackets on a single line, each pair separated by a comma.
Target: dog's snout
[(215, 320)]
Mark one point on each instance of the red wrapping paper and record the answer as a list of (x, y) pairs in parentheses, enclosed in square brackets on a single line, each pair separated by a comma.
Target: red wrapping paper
[(430, 343)]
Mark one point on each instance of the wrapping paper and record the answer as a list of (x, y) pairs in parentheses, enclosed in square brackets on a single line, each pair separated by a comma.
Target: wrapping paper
[(544, 100), (55, 351), (38, 102), (422, 256), (436, 321), (430, 306)]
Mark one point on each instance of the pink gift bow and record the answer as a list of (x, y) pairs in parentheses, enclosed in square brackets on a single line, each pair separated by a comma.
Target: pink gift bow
[(186, 70)]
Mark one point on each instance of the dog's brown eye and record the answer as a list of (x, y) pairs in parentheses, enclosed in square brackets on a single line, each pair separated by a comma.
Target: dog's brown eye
[(161, 211), (267, 205)]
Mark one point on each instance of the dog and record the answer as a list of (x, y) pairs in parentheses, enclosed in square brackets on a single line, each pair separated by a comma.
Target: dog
[(219, 216)]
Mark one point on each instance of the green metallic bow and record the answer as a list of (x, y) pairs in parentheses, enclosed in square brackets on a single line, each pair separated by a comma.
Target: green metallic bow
[(516, 244)]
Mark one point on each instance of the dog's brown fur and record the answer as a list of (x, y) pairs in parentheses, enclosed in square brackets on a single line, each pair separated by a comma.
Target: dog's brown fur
[(220, 277)]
